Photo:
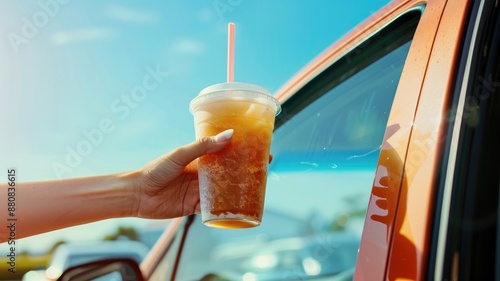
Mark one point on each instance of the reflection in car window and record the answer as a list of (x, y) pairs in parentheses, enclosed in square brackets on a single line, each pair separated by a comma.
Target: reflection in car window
[(325, 149)]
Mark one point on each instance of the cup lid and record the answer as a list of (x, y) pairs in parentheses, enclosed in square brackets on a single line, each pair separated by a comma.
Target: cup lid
[(235, 91)]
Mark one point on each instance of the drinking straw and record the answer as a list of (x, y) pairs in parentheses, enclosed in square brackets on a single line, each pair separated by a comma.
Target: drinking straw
[(230, 52)]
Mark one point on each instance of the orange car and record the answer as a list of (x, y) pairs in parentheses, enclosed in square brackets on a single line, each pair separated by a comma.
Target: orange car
[(385, 162)]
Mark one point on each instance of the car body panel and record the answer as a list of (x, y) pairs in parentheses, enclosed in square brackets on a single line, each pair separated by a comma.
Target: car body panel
[(414, 221), (421, 94), (390, 184)]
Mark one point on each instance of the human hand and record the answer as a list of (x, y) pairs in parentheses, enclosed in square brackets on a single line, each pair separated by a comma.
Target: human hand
[(168, 186)]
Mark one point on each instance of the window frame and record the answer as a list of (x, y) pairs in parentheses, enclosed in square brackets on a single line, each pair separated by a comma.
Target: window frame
[(415, 135)]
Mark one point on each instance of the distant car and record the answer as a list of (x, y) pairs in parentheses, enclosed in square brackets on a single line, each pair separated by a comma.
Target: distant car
[(72, 254)]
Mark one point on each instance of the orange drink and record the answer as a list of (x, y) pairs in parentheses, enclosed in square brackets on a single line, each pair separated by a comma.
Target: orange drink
[(233, 181)]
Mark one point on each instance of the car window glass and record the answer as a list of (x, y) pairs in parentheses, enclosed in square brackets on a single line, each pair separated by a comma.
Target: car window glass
[(331, 147), (325, 150)]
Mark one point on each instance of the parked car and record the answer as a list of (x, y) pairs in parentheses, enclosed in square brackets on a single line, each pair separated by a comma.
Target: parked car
[(388, 137), (76, 253)]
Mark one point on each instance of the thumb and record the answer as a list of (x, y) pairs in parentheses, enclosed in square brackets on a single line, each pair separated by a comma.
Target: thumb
[(186, 154)]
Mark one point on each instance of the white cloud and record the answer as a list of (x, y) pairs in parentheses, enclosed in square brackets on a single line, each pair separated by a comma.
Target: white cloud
[(129, 15), (187, 46), (78, 35)]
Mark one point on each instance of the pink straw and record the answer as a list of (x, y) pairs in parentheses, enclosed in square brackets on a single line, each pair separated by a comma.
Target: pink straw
[(230, 52)]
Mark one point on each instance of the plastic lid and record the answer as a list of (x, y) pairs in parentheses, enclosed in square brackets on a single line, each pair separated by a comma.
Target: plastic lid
[(235, 91)]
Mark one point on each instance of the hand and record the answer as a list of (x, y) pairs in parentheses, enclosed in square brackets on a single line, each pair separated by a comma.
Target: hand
[(168, 186), (165, 188)]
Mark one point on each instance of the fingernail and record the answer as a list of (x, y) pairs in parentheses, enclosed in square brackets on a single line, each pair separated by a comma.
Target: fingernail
[(223, 136)]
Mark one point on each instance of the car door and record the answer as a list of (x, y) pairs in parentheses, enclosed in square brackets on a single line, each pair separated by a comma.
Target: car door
[(396, 236), (437, 177)]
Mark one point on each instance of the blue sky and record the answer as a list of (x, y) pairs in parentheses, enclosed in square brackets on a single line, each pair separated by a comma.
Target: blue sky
[(94, 87)]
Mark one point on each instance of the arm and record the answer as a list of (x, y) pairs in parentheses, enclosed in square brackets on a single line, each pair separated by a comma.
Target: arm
[(166, 187)]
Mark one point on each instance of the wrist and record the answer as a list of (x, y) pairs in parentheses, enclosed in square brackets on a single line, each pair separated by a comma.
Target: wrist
[(131, 189)]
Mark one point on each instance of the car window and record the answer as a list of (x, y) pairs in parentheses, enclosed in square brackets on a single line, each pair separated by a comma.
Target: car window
[(325, 150)]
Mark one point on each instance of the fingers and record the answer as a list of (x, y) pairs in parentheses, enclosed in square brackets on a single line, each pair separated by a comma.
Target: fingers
[(220, 141), (186, 154)]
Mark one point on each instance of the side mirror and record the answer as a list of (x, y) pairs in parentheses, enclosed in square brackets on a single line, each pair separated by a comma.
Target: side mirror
[(122, 269)]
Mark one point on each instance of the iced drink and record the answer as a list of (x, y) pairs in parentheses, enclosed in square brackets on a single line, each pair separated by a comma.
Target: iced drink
[(233, 181)]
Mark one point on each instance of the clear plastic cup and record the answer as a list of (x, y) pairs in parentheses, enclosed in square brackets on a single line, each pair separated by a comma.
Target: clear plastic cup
[(233, 181)]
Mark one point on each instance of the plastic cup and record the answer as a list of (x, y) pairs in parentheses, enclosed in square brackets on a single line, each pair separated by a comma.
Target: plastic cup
[(233, 181)]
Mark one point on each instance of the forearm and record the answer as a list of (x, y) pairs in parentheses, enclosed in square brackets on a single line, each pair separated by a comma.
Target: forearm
[(49, 205)]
